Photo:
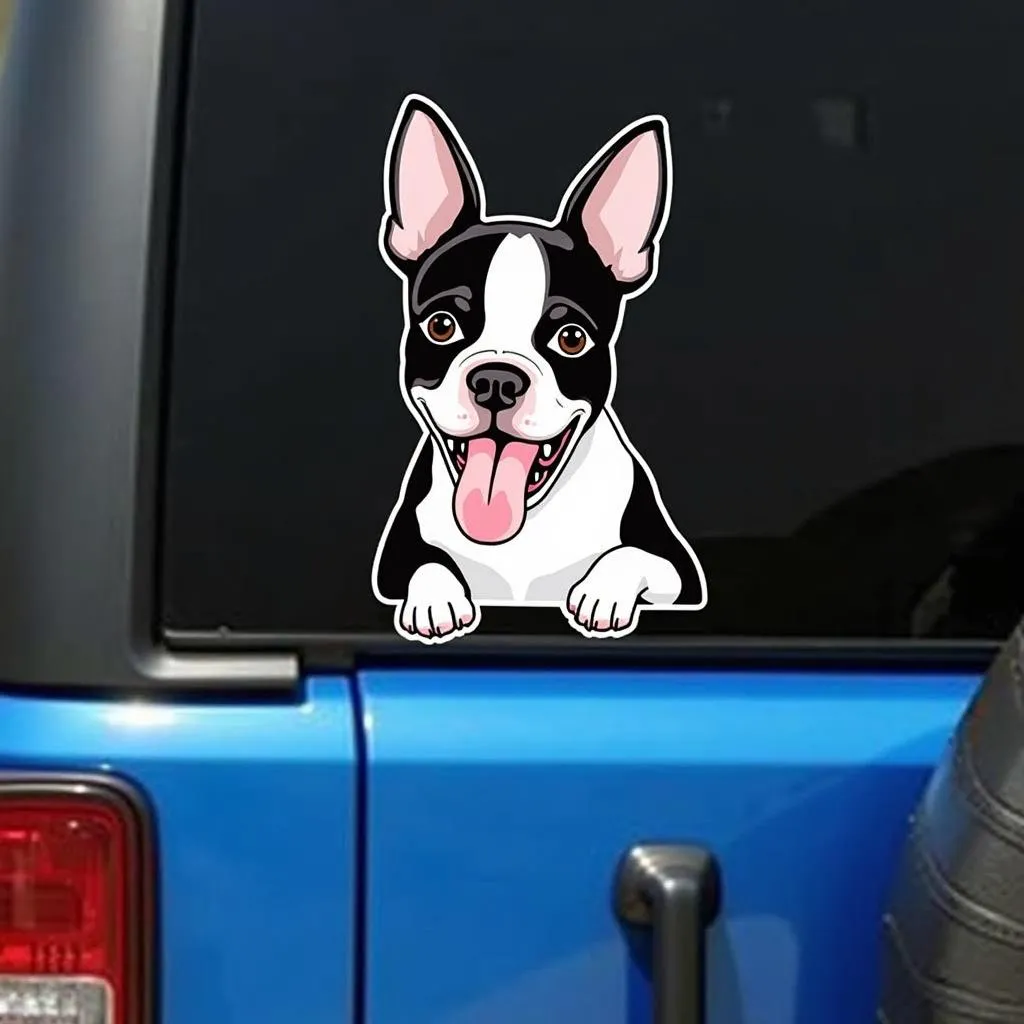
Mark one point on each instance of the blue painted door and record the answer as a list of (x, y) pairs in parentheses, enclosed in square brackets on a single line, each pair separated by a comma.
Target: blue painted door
[(498, 803), (254, 808)]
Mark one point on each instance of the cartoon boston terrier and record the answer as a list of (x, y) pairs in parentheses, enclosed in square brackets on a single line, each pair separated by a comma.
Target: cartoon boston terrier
[(523, 490)]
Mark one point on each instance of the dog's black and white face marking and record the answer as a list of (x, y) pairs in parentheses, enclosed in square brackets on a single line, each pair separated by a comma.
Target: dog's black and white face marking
[(524, 489), (506, 367), (507, 355)]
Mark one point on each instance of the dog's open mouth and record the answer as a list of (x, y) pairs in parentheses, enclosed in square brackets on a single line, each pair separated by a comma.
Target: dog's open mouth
[(498, 475), (546, 458)]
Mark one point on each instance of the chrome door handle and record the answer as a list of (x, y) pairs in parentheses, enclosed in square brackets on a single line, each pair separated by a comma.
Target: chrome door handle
[(676, 892)]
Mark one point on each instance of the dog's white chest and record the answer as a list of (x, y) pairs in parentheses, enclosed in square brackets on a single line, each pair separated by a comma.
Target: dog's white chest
[(578, 521)]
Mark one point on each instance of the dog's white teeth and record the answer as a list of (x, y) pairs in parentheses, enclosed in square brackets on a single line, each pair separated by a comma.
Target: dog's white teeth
[(451, 444), (536, 476), (546, 451), (462, 447)]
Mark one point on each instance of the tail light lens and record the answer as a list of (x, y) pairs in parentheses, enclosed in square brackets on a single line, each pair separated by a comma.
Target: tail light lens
[(72, 909)]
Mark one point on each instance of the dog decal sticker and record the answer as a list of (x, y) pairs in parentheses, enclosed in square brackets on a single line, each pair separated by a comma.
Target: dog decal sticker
[(524, 489)]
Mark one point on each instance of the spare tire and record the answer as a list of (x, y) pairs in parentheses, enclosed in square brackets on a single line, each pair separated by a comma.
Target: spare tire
[(954, 933)]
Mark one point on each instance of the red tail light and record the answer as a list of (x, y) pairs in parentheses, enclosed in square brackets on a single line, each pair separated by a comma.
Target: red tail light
[(72, 914)]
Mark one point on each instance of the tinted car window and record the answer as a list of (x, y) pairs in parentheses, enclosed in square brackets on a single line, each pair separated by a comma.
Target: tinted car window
[(823, 378)]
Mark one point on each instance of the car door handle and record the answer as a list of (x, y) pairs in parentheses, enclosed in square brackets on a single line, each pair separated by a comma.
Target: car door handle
[(676, 892)]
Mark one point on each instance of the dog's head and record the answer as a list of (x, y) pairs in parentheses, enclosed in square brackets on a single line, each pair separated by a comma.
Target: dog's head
[(508, 351)]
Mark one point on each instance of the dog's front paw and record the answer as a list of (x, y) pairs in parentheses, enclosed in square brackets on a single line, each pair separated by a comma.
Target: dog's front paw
[(605, 602), (436, 607)]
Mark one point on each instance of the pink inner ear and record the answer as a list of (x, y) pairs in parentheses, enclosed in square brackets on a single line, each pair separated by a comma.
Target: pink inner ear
[(429, 189), (619, 213)]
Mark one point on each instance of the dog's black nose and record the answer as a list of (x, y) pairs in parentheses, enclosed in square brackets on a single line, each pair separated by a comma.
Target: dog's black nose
[(497, 386)]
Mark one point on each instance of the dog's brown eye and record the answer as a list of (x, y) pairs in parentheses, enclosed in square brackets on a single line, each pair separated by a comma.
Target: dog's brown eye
[(571, 340), (442, 328)]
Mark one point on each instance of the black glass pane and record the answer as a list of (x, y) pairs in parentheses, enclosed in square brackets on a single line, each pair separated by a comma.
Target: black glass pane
[(823, 378)]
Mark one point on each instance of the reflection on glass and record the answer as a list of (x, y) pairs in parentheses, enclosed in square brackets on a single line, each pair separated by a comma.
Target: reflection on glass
[(6, 17)]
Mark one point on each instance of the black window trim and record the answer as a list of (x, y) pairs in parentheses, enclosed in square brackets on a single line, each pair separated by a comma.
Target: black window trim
[(91, 105), (340, 651)]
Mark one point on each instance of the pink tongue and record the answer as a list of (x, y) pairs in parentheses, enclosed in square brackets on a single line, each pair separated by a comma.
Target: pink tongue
[(490, 502)]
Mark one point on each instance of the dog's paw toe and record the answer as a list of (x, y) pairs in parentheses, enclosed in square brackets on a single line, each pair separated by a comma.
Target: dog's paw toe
[(436, 608), (598, 613)]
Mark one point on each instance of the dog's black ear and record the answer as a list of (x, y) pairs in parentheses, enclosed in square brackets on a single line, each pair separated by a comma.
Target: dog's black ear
[(431, 184), (619, 202)]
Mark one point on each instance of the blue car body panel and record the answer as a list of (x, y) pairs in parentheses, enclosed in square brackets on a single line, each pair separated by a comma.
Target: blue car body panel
[(497, 805), (256, 824), (500, 801)]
